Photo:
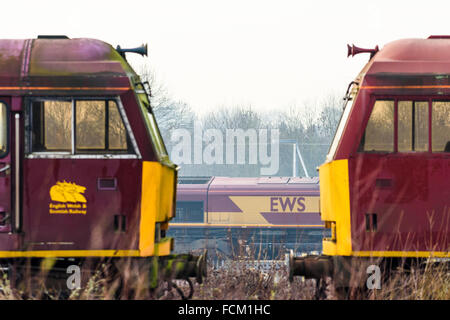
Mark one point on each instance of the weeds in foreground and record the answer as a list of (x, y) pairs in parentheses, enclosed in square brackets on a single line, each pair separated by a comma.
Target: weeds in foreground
[(430, 283), (244, 280)]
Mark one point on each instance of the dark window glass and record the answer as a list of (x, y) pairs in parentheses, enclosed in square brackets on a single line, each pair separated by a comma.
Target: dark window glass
[(3, 129), (440, 126), (99, 127), (379, 133), (420, 112), (51, 125), (57, 123), (90, 125), (412, 126), (117, 133), (189, 211), (405, 132)]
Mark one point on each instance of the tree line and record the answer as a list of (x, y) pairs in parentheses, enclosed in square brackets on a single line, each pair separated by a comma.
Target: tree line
[(312, 125)]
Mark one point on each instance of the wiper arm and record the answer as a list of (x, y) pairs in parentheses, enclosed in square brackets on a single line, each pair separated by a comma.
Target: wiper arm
[(347, 96), (144, 87)]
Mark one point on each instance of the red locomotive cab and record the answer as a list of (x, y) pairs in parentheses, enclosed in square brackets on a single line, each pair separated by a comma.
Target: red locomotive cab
[(392, 149), (83, 168), (385, 187)]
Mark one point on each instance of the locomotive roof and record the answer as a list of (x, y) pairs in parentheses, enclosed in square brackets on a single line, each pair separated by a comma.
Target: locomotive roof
[(59, 64), (250, 181), (189, 189), (410, 62)]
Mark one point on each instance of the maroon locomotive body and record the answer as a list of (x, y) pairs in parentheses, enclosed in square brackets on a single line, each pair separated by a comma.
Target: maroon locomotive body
[(84, 172), (55, 91), (385, 185)]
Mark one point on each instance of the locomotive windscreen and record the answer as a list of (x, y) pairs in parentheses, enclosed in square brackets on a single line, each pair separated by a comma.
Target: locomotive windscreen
[(189, 211)]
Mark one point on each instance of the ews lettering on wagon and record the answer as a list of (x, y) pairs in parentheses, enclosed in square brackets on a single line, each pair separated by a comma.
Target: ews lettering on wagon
[(287, 204), (274, 206)]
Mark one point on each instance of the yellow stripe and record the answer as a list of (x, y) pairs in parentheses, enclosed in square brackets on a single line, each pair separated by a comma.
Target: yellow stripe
[(246, 225), (422, 254), (69, 253)]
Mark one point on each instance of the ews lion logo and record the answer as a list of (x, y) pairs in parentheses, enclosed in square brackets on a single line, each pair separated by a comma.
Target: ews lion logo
[(67, 198), (67, 192)]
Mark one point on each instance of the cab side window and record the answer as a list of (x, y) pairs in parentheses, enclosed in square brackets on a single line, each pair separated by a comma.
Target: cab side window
[(379, 133), (3, 129), (77, 127), (99, 127), (51, 123), (440, 126), (117, 134), (90, 125), (412, 126)]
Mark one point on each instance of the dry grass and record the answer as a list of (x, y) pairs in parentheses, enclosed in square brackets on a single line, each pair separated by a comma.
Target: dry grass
[(242, 280), (429, 283)]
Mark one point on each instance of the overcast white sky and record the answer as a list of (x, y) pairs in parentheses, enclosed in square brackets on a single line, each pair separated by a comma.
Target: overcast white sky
[(268, 54)]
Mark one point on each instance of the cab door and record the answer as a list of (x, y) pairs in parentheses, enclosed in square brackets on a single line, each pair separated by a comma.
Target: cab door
[(81, 175)]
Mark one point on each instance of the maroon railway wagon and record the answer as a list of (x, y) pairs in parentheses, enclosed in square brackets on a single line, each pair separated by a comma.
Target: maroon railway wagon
[(385, 185), (84, 173), (261, 218)]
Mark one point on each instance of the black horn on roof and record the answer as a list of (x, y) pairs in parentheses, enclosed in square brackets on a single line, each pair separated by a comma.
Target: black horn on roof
[(353, 50), (142, 50)]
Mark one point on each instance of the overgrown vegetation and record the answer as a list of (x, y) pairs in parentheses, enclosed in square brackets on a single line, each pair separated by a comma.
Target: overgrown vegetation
[(238, 280)]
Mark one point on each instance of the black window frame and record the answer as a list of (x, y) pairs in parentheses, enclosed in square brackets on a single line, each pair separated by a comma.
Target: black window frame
[(29, 128)]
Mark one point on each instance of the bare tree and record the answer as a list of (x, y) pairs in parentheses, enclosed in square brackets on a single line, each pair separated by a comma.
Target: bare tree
[(330, 115), (170, 114), (240, 117), (312, 124), (58, 124)]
